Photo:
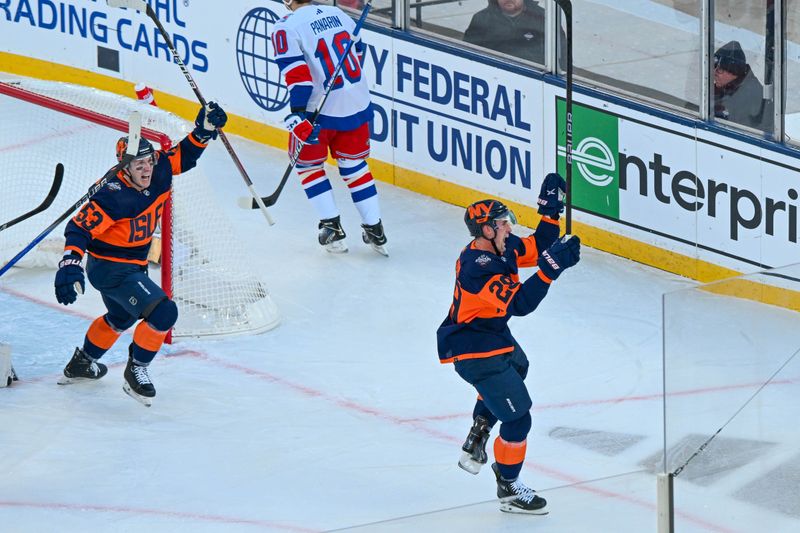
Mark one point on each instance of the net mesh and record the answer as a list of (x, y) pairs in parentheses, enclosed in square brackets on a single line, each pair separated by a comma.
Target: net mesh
[(214, 282)]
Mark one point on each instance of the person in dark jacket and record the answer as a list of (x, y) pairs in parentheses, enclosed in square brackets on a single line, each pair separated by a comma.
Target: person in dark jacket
[(513, 27), (738, 95)]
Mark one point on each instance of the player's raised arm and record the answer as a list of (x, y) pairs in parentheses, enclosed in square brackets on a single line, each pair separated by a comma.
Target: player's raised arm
[(476, 339), (185, 155)]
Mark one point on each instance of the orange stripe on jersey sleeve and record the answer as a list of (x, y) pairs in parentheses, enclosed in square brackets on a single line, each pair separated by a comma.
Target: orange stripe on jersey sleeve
[(175, 158), (543, 277), (73, 249), (195, 141), (531, 255), (509, 453)]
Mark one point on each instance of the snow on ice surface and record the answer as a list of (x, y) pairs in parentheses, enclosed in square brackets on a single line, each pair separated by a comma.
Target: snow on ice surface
[(341, 418)]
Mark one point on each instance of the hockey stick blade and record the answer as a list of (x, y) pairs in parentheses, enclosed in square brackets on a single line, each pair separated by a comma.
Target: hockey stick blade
[(54, 188), (135, 133), (269, 201), (138, 5)]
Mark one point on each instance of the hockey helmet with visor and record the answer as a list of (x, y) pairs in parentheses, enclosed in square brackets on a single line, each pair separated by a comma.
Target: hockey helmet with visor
[(487, 213)]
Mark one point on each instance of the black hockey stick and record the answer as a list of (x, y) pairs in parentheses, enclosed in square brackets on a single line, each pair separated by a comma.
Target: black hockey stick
[(566, 7), (142, 6), (134, 134), (59, 176), (272, 198)]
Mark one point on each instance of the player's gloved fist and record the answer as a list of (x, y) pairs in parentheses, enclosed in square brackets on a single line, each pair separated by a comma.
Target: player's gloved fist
[(70, 274), (208, 120), (301, 128), (561, 255), (551, 195)]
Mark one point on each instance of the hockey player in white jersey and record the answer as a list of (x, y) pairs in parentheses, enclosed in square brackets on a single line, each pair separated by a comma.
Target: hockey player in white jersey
[(308, 45)]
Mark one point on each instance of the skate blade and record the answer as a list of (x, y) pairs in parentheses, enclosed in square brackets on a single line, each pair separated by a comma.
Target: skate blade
[(64, 380), (381, 249), (336, 247), (469, 464), (144, 400), (508, 507)]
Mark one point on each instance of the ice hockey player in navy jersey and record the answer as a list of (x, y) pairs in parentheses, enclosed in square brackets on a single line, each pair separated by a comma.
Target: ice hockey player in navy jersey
[(475, 336), (307, 45), (115, 229)]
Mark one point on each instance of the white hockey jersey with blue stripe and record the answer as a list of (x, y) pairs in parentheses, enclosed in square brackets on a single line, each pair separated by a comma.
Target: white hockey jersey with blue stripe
[(307, 45)]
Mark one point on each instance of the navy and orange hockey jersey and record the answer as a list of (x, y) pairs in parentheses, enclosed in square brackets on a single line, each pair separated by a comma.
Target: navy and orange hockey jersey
[(488, 293), (118, 222)]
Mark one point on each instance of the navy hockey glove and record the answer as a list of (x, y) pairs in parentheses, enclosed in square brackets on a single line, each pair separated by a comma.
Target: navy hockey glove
[(70, 274), (551, 195), (301, 128), (208, 120), (564, 253)]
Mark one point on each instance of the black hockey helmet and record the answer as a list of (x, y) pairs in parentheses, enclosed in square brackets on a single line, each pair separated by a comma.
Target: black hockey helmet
[(145, 149), (486, 212)]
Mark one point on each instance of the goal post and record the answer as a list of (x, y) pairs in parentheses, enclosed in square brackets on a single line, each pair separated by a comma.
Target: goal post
[(203, 266)]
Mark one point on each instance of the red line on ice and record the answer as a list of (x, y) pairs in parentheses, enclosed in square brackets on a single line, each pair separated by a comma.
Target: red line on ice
[(417, 424)]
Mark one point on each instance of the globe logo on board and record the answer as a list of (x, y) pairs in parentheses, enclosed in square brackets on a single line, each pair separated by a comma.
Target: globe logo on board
[(260, 75)]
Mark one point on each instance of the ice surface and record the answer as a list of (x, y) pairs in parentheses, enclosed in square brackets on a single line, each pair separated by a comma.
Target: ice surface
[(341, 418)]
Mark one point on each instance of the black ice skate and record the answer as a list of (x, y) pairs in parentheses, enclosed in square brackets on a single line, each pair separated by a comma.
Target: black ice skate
[(137, 383), (82, 368), (331, 235), (474, 456), (375, 237), (515, 497)]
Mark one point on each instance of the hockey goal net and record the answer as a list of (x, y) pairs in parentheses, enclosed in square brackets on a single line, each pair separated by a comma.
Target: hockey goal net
[(202, 266)]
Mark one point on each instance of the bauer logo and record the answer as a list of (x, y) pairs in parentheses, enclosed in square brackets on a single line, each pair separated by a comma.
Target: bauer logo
[(595, 164), (260, 75)]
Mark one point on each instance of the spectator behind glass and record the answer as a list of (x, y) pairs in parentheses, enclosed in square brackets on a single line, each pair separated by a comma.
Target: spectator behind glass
[(513, 27), (738, 95)]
